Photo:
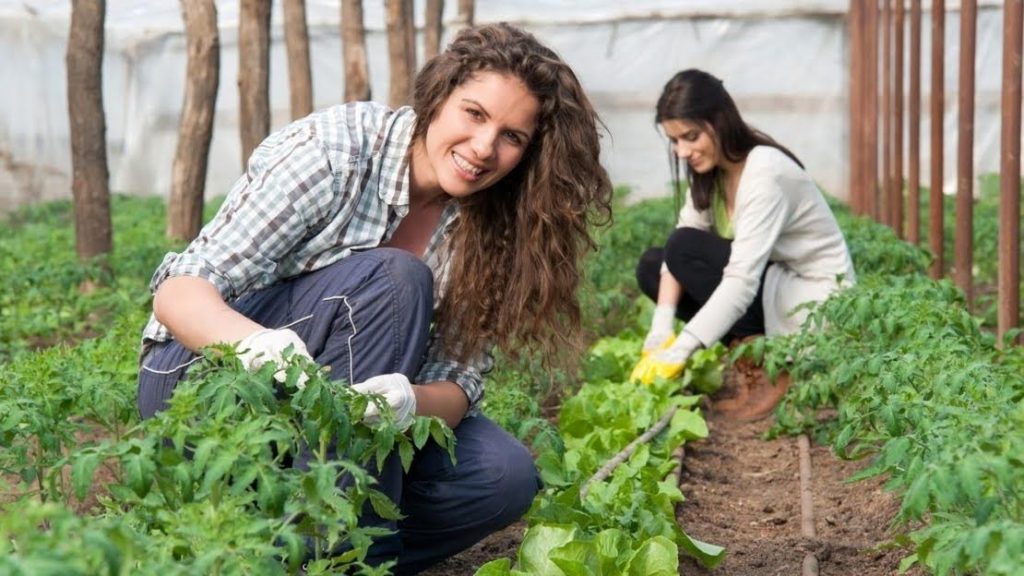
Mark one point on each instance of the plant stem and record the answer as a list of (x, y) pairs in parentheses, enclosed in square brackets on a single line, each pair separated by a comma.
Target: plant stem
[(626, 452)]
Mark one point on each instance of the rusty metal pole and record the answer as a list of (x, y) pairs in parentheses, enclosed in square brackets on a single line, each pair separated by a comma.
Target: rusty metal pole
[(914, 143), (886, 30), (964, 237), (855, 27), (1009, 171), (871, 117), (896, 188), (935, 234)]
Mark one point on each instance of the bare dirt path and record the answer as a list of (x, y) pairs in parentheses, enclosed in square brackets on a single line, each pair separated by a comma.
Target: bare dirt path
[(743, 492)]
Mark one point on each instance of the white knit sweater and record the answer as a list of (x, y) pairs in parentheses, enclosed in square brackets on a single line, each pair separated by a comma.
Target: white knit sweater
[(780, 217)]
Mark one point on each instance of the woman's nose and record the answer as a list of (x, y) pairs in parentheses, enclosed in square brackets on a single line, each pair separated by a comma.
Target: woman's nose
[(483, 144), (682, 150)]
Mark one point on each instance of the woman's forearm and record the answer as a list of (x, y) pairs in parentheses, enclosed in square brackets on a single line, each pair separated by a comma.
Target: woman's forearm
[(443, 399), (196, 314), (669, 290)]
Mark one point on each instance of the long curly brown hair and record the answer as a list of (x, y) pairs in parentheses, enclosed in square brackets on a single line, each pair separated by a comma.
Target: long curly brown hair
[(515, 250)]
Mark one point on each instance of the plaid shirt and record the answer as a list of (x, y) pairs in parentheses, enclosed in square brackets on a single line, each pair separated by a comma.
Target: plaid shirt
[(316, 191)]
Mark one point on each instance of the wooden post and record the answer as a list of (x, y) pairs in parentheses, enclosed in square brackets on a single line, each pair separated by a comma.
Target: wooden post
[(896, 188), (884, 212), (195, 130), (964, 237), (1009, 171), (855, 26), (936, 102), (253, 74), (433, 28), (401, 66), (300, 75), (465, 15), (88, 125), (871, 118), (353, 50), (914, 143)]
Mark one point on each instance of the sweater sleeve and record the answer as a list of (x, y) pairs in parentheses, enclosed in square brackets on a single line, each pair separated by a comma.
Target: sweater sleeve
[(761, 213)]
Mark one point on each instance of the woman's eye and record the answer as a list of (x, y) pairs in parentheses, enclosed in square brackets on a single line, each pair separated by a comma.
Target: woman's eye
[(474, 113), (513, 138)]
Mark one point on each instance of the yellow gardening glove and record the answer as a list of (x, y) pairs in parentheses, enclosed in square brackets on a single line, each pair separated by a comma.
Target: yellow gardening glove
[(650, 368), (667, 362)]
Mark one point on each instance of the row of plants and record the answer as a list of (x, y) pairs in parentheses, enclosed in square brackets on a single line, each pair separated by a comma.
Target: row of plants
[(921, 387), (241, 474), (625, 523)]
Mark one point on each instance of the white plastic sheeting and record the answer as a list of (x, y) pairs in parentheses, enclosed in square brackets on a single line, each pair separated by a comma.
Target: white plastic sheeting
[(785, 62)]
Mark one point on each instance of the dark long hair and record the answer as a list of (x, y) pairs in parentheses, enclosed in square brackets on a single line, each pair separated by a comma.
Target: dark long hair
[(696, 96), (516, 249)]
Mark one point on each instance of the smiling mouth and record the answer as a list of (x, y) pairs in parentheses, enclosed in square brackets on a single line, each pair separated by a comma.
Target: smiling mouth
[(466, 167)]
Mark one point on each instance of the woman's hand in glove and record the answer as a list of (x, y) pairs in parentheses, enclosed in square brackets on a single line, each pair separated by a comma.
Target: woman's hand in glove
[(269, 345), (397, 392), (667, 363)]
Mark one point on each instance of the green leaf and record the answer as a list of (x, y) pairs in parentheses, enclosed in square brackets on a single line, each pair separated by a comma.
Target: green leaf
[(658, 556), (499, 567), (535, 551), (709, 555), (577, 557), (420, 431), (82, 472), (689, 424)]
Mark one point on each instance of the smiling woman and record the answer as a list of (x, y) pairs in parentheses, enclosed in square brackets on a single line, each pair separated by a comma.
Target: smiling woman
[(478, 137), (397, 247)]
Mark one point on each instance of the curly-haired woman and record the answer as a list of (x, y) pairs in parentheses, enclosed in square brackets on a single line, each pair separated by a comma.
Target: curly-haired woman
[(398, 247)]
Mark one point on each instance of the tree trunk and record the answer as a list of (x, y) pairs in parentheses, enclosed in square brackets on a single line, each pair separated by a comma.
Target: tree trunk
[(353, 51), (433, 28), (253, 74), (400, 53), (296, 39), (90, 176), (188, 176), (465, 15)]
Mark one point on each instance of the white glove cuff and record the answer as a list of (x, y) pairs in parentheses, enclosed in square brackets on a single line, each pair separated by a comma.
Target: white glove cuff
[(664, 318), (687, 342)]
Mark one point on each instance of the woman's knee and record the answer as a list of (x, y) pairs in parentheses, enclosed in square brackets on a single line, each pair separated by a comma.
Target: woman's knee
[(408, 274), (514, 482), (648, 271), (688, 241)]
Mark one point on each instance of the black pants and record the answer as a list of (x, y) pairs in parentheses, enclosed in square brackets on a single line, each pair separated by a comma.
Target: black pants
[(697, 258)]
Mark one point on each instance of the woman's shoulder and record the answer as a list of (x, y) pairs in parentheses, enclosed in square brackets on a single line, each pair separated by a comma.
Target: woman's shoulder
[(770, 159), (359, 126)]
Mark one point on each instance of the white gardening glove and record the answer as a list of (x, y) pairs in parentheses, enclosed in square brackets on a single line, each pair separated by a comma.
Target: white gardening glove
[(269, 345), (397, 392), (662, 328), (680, 351)]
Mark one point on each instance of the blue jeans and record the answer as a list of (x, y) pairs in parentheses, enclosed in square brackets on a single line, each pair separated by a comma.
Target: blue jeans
[(366, 315)]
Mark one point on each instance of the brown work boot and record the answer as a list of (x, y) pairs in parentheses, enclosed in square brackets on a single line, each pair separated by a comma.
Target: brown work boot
[(735, 391), (764, 396)]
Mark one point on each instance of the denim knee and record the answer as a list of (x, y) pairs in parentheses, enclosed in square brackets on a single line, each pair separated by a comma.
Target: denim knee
[(515, 485)]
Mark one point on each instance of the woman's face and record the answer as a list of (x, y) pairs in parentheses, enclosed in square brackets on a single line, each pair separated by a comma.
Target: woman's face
[(478, 136), (695, 143)]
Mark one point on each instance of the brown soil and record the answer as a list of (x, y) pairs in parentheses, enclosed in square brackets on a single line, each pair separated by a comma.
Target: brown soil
[(743, 492)]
